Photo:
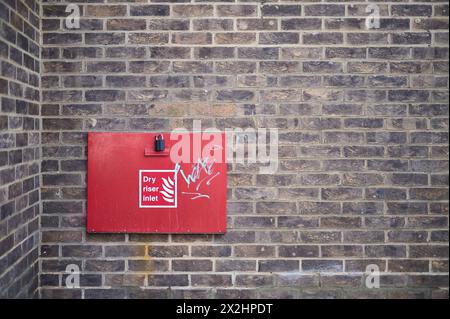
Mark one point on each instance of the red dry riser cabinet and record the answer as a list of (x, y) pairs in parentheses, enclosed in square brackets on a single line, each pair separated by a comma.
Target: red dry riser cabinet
[(134, 189)]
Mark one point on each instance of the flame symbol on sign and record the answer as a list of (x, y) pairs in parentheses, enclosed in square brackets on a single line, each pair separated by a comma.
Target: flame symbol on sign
[(168, 192)]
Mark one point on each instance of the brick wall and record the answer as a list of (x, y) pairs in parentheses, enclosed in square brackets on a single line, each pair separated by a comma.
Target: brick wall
[(19, 147), (363, 148)]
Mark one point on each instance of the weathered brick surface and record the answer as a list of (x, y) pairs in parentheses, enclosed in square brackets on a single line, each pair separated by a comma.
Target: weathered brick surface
[(363, 120), (363, 131), (19, 148)]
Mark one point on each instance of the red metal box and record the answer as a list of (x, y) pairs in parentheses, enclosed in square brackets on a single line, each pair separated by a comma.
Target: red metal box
[(134, 189)]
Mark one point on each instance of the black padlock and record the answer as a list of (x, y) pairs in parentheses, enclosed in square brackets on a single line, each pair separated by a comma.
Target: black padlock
[(160, 145)]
